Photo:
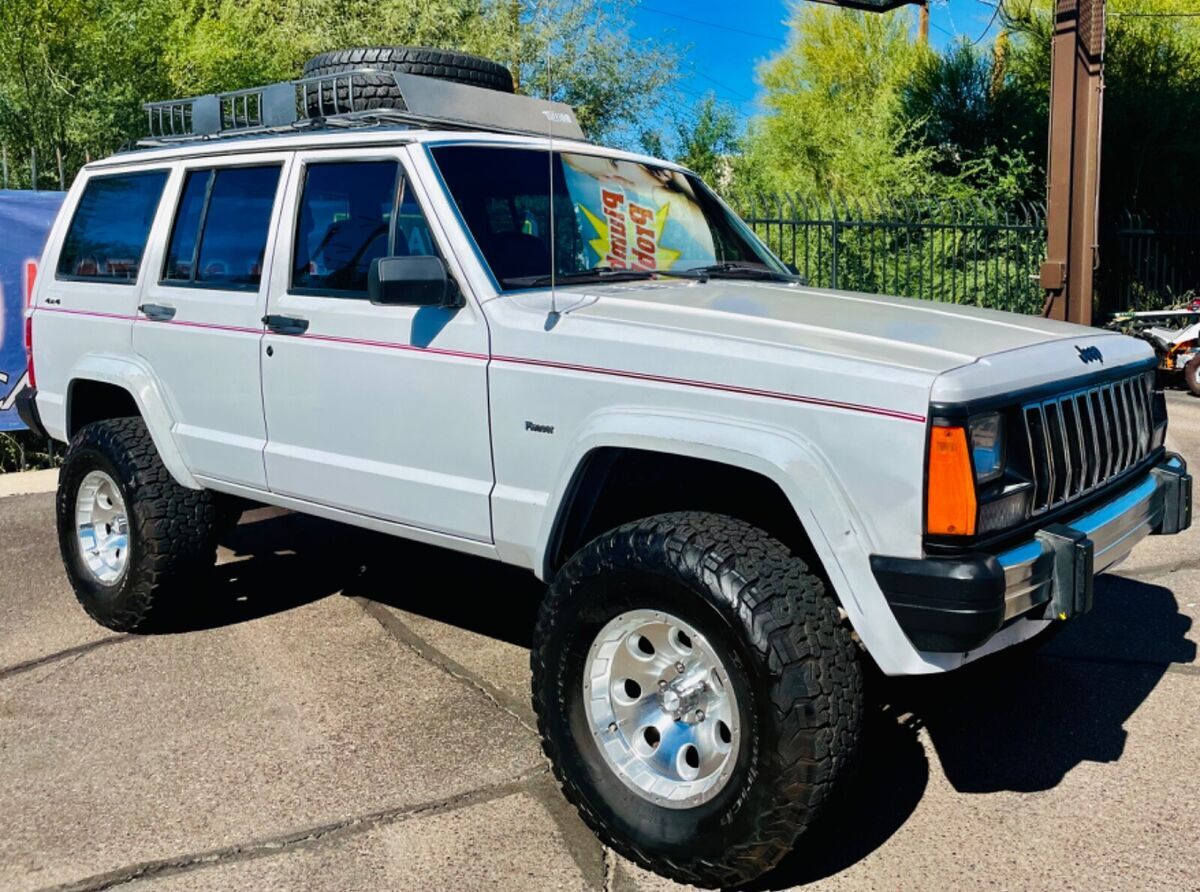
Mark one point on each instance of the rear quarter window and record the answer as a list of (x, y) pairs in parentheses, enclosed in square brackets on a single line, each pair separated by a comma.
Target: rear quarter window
[(107, 236)]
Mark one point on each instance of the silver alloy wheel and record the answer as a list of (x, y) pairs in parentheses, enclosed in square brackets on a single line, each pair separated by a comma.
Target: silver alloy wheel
[(661, 708), (102, 527)]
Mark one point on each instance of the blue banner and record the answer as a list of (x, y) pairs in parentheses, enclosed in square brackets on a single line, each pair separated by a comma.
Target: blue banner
[(25, 221)]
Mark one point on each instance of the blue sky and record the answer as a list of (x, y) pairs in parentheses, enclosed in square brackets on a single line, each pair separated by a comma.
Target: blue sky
[(723, 59)]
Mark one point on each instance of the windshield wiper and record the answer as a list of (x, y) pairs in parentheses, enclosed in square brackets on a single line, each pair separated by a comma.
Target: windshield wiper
[(737, 271), (597, 274)]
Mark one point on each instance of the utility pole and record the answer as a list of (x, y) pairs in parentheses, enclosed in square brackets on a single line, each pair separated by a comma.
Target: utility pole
[(1073, 162), (923, 27)]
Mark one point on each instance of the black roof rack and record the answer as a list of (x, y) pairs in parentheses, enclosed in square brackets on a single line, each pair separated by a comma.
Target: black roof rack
[(339, 102)]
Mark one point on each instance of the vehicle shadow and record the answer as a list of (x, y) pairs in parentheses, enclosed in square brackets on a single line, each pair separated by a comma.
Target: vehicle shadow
[(1009, 723), (273, 561)]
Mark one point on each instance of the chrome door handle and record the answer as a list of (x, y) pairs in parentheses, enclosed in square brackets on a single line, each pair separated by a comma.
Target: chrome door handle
[(157, 312), (289, 325)]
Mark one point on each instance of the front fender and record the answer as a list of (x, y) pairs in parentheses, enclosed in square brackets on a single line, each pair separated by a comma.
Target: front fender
[(135, 377), (821, 502)]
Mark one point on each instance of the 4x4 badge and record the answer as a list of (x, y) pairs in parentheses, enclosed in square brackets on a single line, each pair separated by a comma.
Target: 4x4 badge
[(1090, 354)]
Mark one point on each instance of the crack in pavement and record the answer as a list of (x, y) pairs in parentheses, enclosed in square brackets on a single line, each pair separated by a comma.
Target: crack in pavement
[(396, 627), (322, 833), (78, 651), (592, 859)]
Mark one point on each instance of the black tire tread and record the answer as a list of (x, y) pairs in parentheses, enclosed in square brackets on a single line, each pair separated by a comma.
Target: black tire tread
[(381, 92), (175, 526), (786, 616)]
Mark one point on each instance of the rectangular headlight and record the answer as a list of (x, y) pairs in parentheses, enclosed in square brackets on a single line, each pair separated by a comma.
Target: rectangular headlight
[(987, 446)]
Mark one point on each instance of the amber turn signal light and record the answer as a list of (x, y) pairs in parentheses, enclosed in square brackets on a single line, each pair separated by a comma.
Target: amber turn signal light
[(950, 506)]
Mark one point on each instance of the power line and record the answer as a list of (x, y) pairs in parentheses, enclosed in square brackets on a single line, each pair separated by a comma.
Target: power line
[(726, 87), (991, 21), (773, 38), (1157, 15)]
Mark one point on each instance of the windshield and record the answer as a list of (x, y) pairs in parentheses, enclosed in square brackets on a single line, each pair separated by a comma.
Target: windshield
[(612, 218)]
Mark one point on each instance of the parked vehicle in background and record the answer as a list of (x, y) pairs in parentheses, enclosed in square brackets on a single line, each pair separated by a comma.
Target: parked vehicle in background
[(1175, 336), (433, 310)]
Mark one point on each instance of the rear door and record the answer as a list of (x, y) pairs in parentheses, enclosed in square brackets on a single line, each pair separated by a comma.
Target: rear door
[(379, 410), (199, 323)]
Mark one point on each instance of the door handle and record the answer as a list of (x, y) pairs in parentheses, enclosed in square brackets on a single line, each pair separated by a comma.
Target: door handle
[(289, 325), (157, 312)]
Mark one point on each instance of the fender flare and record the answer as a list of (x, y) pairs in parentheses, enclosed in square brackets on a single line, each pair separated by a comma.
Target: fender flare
[(808, 481), (136, 378)]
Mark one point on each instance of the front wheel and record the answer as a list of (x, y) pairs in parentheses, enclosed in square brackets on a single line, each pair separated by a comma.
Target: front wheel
[(697, 694)]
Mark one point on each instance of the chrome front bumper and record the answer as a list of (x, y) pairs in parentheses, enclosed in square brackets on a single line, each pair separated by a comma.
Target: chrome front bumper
[(1056, 568), (955, 604)]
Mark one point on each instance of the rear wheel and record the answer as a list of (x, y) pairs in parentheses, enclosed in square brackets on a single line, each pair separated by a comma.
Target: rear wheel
[(697, 694), (131, 537), (1191, 375)]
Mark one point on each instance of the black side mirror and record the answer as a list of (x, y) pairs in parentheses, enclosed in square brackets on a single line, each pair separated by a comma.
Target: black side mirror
[(412, 281)]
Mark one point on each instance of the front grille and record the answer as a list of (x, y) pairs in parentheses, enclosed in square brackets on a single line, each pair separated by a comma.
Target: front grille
[(1081, 440)]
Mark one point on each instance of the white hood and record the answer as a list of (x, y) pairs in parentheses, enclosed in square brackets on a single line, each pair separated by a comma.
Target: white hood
[(913, 334)]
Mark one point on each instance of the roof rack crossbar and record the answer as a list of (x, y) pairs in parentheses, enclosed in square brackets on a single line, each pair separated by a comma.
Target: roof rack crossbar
[(338, 101)]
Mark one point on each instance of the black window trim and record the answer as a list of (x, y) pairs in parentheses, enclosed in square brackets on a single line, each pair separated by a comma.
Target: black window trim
[(212, 170), (111, 280), (402, 176)]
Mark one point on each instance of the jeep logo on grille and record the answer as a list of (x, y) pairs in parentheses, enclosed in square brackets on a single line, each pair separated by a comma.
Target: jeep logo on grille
[(1090, 354)]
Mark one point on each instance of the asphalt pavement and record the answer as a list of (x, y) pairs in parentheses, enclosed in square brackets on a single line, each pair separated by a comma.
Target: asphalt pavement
[(343, 711)]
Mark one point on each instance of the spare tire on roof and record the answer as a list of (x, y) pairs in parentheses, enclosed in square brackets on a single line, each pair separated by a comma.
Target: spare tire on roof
[(379, 91)]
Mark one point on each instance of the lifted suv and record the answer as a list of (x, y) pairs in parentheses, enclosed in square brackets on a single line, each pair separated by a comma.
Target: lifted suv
[(427, 307)]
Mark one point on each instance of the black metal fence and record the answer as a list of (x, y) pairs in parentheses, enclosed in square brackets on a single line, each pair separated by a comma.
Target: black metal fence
[(1149, 261), (961, 252), (973, 253), (33, 171)]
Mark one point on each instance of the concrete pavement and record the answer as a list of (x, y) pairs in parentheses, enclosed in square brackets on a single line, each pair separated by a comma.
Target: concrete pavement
[(346, 711)]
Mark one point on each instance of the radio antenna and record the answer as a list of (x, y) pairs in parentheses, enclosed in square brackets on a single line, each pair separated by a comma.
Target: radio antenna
[(550, 158)]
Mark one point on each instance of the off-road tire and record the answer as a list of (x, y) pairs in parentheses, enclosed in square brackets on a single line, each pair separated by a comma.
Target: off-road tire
[(172, 529), (374, 92), (793, 664), (1191, 375)]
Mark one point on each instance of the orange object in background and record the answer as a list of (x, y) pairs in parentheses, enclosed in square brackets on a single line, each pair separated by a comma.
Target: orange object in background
[(950, 506)]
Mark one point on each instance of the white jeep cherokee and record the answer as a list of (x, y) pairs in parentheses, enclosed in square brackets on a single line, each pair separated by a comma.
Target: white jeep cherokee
[(399, 302)]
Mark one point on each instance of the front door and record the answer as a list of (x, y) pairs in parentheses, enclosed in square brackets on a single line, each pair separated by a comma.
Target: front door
[(199, 323), (379, 410)]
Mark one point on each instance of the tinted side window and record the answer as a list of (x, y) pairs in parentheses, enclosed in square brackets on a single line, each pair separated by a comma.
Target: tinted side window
[(107, 235), (345, 222), (220, 233)]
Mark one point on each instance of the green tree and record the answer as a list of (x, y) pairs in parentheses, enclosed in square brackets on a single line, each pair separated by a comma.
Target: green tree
[(72, 76), (1151, 145), (977, 119), (73, 73), (833, 121), (709, 143), (706, 139)]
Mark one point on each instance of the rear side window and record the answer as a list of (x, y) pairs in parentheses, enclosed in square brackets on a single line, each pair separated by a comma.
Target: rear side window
[(220, 234), (345, 222), (107, 235)]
